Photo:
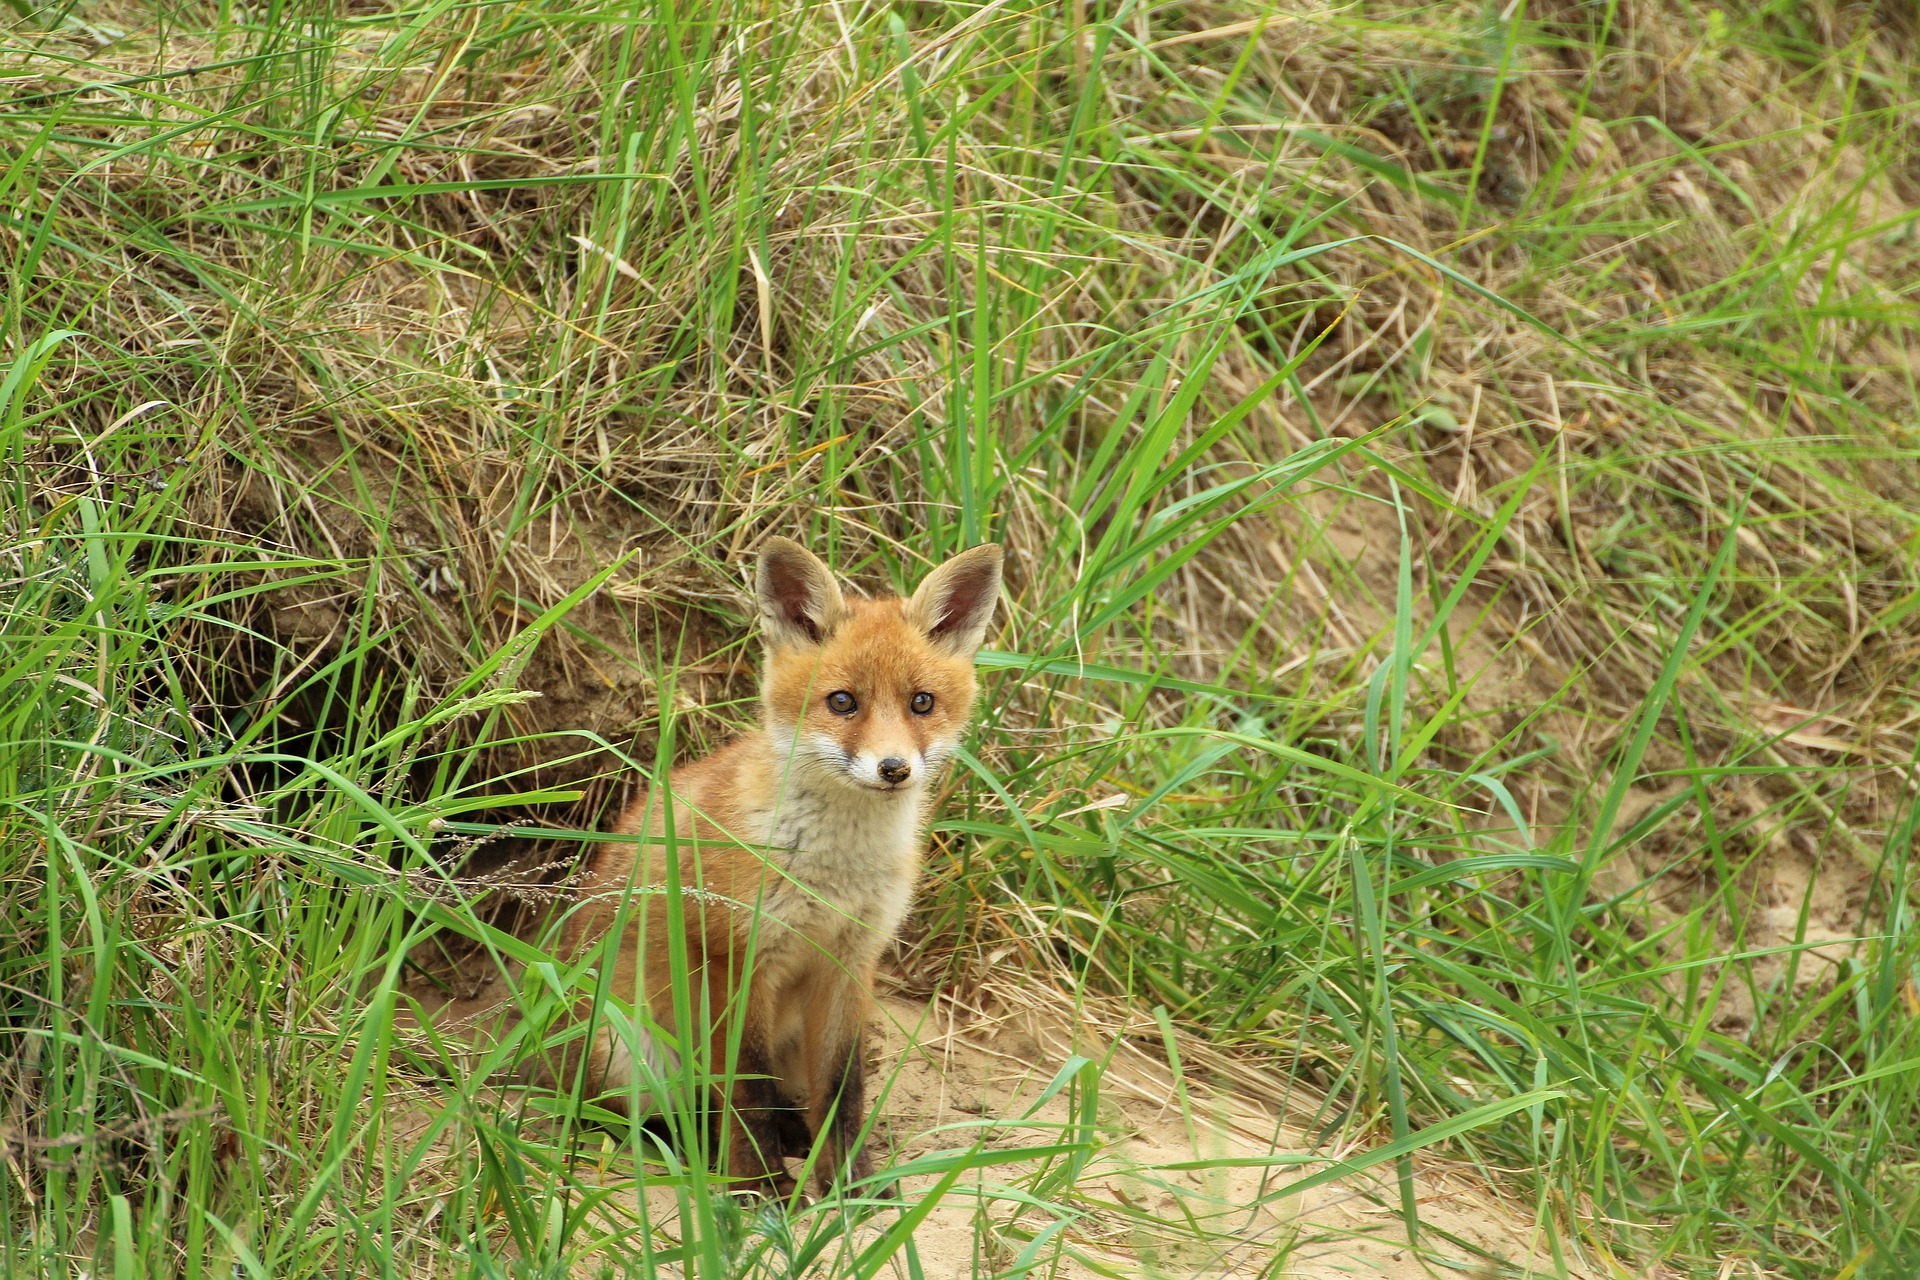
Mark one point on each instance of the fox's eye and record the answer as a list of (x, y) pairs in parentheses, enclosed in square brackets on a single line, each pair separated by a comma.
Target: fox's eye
[(922, 703), (841, 703)]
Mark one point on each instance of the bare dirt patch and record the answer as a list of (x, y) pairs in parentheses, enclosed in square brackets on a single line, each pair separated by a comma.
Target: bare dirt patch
[(954, 1068), (1187, 1173)]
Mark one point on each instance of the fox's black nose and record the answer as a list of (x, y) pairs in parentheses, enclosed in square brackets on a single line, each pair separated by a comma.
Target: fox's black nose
[(894, 769)]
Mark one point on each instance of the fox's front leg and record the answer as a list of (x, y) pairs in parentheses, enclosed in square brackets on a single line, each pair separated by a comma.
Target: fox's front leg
[(751, 1123), (839, 1111), (749, 1105)]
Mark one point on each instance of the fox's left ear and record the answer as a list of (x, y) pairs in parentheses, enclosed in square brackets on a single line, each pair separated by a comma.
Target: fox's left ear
[(955, 603)]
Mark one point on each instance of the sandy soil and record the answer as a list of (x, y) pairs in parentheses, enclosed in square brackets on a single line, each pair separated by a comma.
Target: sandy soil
[(953, 1078), (1145, 1214)]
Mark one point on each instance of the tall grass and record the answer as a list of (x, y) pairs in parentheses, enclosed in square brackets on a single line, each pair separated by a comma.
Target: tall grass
[(1457, 465)]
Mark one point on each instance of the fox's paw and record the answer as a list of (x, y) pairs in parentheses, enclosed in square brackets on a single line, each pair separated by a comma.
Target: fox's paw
[(767, 1186)]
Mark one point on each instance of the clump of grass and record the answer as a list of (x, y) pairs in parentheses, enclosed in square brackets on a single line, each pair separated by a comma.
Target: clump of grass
[(1457, 469)]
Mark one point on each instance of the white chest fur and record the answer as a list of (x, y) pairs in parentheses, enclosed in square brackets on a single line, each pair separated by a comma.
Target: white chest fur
[(843, 866)]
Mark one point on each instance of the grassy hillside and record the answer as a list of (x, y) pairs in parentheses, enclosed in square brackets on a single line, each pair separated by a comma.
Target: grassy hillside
[(1457, 464)]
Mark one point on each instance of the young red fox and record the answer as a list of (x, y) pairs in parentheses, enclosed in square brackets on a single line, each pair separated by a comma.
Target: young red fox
[(798, 846)]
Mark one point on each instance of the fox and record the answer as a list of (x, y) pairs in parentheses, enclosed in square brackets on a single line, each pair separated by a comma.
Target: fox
[(798, 846)]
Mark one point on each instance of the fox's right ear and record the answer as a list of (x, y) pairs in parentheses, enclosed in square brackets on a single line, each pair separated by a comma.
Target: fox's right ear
[(799, 601), (955, 603)]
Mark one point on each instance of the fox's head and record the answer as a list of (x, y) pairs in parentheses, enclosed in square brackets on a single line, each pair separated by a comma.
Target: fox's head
[(871, 693)]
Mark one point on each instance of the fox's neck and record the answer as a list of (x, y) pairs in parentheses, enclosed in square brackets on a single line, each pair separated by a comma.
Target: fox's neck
[(844, 859)]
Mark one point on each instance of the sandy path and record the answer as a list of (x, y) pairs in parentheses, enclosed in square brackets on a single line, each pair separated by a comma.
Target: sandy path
[(1146, 1215), (948, 1079)]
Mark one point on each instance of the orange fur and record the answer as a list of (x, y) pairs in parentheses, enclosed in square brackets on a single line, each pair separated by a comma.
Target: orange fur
[(797, 848)]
